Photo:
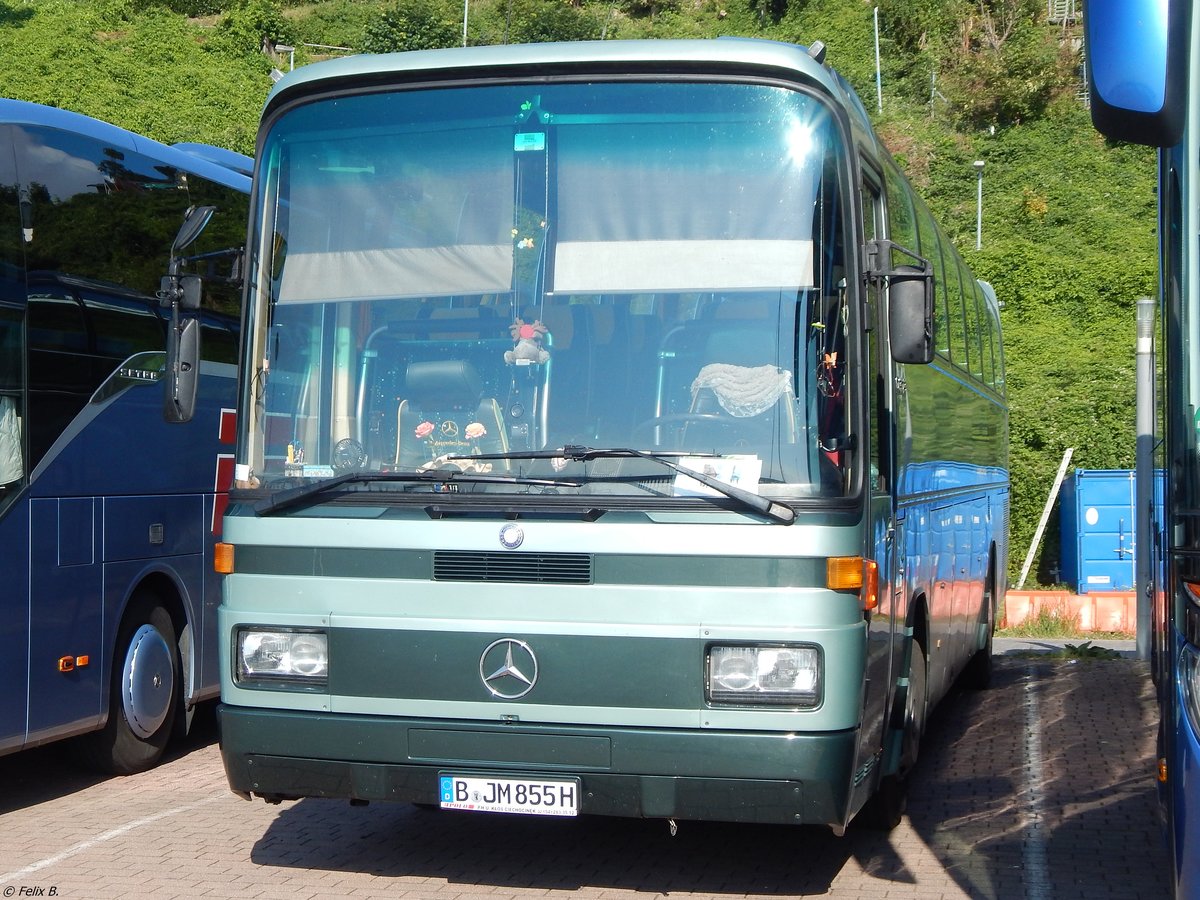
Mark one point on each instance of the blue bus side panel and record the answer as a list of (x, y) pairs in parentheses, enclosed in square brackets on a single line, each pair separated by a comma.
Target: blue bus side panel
[(14, 629), (1184, 778), (124, 447), (67, 618), (153, 527), (88, 552)]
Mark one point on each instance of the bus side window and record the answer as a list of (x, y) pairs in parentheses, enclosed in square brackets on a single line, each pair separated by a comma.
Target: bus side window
[(12, 454), (959, 349), (12, 315), (60, 365), (931, 250), (971, 320), (902, 224), (122, 326), (985, 336)]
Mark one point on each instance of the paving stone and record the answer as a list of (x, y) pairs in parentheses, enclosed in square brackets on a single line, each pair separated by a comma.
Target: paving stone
[(1041, 788)]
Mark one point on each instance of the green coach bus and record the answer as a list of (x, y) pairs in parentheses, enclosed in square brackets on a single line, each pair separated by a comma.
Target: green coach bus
[(618, 434)]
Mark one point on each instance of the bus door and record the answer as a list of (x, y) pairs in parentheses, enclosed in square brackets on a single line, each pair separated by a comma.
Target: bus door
[(14, 467), (884, 528)]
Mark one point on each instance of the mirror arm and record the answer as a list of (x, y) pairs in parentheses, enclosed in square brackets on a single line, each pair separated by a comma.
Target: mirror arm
[(878, 253)]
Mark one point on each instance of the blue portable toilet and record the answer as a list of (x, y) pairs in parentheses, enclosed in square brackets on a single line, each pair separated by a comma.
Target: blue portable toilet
[(1098, 527)]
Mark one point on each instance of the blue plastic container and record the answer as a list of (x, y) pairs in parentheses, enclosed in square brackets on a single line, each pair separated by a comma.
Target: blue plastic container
[(1099, 529)]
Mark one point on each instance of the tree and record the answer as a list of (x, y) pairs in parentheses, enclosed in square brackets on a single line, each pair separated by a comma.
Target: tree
[(246, 27), (413, 25)]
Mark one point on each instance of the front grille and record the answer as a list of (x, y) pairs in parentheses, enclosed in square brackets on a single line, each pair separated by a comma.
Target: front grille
[(521, 568)]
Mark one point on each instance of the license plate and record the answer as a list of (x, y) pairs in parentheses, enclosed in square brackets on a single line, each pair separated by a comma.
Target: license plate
[(525, 796)]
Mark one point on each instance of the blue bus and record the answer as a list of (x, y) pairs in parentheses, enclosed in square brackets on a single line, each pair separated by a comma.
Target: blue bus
[(1144, 73), (108, 514), (618, 434)]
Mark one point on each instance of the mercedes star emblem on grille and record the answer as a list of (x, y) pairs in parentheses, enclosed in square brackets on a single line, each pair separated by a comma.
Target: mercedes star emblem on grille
[(508, 668)]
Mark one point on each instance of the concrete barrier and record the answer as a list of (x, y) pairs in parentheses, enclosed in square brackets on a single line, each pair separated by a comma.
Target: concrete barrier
[(1097, 611)]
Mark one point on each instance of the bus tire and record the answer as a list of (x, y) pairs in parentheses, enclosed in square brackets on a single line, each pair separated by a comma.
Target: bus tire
[(887, 805), (143, 692)]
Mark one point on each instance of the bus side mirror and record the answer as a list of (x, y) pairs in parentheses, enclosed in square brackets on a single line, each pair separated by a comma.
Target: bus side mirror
[(182, 293), (194, 222), (184, 289), (1136, 52), (183, 371), (910, 315)]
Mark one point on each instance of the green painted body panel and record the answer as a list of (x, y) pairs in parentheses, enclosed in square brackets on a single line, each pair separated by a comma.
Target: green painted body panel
[(625, 671)]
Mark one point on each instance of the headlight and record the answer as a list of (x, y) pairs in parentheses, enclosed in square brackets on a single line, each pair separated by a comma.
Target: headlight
[(782, 676), (277, 655)]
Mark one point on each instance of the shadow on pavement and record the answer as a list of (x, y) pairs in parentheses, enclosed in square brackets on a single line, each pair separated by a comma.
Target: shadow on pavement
[(51, 772)]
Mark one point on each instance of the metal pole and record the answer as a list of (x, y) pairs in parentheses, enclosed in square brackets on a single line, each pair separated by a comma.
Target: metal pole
[(1143, 547), (979, 204), (878, 76), (1037, 535), (466, 9)]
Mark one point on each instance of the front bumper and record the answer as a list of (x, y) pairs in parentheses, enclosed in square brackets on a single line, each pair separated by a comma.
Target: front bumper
[(632, 772)]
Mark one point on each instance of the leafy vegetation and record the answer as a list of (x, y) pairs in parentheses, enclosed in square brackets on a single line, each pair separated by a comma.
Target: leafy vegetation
[(1087, 650), (1068, 220)]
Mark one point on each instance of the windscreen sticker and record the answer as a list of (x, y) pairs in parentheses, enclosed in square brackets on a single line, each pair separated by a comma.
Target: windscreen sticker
[(529, 140), (738, 471)]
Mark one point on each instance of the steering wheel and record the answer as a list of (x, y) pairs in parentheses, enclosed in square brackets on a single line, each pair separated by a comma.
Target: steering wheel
[(678, 422)]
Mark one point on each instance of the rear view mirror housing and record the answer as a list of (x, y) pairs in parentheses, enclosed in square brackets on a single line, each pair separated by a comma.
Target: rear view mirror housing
[(910, 315), (182, 293), (183, 372)]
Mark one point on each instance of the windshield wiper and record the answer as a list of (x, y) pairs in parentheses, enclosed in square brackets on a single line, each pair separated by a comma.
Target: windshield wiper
[(309, 492), (777, 512)]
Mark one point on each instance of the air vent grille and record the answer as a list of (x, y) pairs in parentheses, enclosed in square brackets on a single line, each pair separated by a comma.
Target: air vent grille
[(521, 568)]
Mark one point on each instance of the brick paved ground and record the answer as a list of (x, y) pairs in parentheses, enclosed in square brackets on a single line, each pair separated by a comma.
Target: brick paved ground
[(1040, 788)]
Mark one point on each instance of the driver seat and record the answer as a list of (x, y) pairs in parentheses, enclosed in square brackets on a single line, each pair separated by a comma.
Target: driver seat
[(444, 411)]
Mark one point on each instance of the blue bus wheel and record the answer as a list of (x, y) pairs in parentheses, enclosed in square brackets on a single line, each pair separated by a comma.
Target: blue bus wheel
[(144, 692)]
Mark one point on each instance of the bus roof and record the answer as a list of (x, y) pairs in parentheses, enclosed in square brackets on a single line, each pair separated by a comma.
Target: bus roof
[(230, 159), (20, 112), (737, 54)]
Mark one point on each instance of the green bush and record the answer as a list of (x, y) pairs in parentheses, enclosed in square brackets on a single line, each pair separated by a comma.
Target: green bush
[(413, 25)]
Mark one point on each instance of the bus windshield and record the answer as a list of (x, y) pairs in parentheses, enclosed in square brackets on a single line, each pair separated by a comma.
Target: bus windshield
[(464, 277)]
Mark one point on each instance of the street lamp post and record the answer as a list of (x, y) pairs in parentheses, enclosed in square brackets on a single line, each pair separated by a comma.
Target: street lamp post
[(979, 204)]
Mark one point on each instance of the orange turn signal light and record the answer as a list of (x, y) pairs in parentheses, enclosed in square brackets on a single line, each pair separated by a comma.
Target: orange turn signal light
[(844, 573), (1162, 770), (854, 573), (71, 663), (870, 589), (223, 558)]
